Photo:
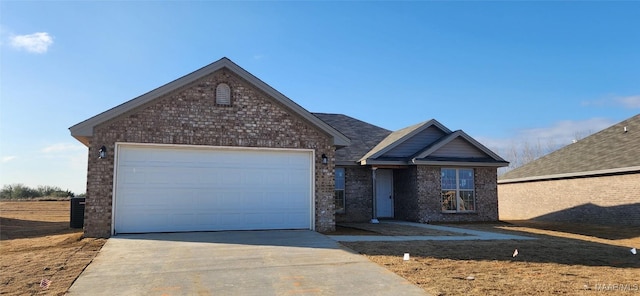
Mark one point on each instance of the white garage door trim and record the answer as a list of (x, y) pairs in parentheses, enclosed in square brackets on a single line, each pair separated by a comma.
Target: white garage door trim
[(215, 158)]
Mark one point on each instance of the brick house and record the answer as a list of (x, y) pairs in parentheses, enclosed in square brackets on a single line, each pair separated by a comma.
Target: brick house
[(594, 180), (424, 173), (218, 149)]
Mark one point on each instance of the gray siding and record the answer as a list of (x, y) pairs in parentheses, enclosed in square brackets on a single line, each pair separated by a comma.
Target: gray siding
[(416, 143), (459, 148)]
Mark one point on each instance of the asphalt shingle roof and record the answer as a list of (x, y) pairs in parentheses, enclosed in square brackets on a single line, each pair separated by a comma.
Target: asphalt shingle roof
[(363, 136), (611, 148), (368, 141)]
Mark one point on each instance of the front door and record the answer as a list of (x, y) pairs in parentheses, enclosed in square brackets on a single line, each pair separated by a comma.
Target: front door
[(384, 193)]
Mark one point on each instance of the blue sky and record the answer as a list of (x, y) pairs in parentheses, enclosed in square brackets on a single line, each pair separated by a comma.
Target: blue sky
[(504, 72)]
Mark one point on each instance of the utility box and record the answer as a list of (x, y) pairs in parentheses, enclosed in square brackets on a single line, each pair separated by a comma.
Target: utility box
[(77, 213)]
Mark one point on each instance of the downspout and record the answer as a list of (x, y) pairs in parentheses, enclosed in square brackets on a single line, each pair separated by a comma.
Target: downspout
[(374, 219)]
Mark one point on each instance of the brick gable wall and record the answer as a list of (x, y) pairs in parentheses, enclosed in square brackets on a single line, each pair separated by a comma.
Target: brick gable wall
[(190, 116)]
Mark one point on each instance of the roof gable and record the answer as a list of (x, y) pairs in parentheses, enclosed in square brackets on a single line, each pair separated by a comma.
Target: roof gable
[(404, 136), (431, 143), (458, 147), (416, 143), (83, 131), (612, 150)]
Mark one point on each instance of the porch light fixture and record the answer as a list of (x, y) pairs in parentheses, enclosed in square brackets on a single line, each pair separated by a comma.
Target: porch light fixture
[(103, 152), (325, 159)]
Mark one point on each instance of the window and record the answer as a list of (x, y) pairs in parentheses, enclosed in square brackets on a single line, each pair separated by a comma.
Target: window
[(223, 94), (458, 192), (339, 193)]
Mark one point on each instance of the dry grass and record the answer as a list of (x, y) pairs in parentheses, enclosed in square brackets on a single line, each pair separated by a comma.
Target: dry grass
[(566, 259), (37, 243)]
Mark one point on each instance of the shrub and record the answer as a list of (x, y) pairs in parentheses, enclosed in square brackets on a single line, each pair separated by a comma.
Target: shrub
[(20, 191)]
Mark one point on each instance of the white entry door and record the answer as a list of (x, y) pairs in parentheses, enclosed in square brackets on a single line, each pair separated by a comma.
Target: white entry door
[(162, 188), (384, 193)]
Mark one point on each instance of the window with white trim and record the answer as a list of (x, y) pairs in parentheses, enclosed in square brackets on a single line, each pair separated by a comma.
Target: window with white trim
[(458, 190), (339, 191), (223, 94)]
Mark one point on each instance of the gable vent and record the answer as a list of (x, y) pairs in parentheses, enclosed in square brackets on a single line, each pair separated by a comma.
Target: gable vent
[(223, 94)]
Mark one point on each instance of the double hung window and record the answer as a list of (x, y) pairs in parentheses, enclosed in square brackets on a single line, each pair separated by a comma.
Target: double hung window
[(458, 190)]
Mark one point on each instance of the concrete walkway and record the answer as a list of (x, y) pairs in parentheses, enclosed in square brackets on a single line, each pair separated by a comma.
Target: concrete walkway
[(235, 263), (468, 234)]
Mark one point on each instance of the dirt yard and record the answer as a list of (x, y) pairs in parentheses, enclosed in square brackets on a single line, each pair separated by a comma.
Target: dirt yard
[(387, 229), (37, 243), (565, 260)]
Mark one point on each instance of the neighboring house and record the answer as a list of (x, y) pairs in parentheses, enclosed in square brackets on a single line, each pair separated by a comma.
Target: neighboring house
[(218, 149), (594, 180)]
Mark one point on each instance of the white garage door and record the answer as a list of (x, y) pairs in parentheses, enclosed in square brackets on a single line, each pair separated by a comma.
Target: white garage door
[(186, 188)]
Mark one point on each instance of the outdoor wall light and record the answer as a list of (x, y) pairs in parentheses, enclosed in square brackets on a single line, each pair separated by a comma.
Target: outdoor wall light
[(325, 159), (103, 152)]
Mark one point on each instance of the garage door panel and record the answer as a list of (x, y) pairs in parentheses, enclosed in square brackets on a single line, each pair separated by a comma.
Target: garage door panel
[(298, 178), (179, 189), (145, 218), (183, 220)]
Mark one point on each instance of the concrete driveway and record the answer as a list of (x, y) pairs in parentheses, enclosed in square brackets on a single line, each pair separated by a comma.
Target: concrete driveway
[(235, 263)]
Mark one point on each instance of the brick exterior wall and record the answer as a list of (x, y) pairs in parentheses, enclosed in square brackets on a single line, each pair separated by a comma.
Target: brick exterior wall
[(417, 195), (405, 184), (609, 200), (486, 182), (190, 116), (358, 192)]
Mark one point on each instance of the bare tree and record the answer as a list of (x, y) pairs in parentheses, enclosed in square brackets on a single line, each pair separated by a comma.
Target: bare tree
[(522, 152)]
